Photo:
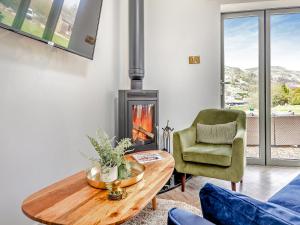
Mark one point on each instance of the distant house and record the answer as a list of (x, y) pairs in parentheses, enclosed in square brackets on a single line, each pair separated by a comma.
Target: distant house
[(64, 27), (65, 24)]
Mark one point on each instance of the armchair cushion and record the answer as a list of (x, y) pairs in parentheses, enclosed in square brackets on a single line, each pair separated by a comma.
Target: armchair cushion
[(209, 154), (217, 133)]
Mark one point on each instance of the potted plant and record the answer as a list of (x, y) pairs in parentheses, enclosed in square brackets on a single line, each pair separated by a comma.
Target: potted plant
[(110, 159)]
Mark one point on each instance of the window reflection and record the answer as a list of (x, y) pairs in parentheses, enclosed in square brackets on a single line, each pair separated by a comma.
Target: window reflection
[(36, 17), (65, 23), (8, 11)]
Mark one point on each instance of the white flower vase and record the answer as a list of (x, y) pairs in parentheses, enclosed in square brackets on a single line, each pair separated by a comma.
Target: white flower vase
[(109, 174)]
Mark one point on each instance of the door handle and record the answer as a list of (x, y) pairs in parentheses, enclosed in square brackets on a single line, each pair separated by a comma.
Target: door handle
[(225, 82), (222, 86)]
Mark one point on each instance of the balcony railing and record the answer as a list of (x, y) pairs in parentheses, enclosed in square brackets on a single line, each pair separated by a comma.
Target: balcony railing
[(285, 129)]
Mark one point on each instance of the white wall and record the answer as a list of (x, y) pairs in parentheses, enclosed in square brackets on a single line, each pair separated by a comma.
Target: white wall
[(174, 30), (49, 101)]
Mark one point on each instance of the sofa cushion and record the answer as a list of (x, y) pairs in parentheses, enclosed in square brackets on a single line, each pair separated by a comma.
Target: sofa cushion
[(216, 134), (181, 217), (289, 196), (209, 154), (224, 207)]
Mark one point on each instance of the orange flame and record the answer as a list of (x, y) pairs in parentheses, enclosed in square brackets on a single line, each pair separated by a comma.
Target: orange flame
[(142, 118)]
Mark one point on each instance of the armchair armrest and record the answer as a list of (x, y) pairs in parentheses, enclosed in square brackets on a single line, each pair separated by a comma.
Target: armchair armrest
[(238, 154), (182, 139), (240, 138), (186, 137), (181, 217)]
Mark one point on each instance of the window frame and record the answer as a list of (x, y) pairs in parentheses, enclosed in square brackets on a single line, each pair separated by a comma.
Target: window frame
[(265, 157)]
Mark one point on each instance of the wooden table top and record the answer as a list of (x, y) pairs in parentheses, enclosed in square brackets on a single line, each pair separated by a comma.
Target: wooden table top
[(73, 201)]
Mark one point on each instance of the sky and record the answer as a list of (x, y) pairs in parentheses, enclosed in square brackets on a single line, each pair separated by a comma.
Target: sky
[(241, 41)]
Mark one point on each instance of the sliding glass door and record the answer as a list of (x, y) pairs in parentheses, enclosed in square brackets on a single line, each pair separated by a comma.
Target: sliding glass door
[(283, 86), (243, 75), (261, 75)]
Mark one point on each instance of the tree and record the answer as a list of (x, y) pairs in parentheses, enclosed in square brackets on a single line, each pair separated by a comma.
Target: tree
[(1, 17), (280, 94), (41, 7), (295, 97), (252, 99), (14, 4)]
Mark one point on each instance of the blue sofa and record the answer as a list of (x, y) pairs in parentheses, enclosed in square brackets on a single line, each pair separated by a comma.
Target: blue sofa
[(224, 207)]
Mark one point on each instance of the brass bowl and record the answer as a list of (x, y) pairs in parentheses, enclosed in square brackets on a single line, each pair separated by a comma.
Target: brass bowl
[(137, 174)]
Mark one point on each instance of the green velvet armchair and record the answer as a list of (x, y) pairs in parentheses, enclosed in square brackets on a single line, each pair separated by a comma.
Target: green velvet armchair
[(221, 161)]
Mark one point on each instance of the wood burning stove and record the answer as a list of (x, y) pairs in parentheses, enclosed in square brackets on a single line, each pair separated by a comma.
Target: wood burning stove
[(138, 118), (138, 108)]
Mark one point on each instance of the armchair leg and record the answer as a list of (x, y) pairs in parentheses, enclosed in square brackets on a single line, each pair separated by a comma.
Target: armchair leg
[(233, 186), (183, 178)]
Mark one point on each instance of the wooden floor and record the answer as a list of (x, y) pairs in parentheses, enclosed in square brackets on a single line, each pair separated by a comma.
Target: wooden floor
[(260, 182)]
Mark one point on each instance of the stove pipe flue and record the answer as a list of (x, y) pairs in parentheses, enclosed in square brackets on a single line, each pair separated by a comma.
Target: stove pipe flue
[(136, 43)]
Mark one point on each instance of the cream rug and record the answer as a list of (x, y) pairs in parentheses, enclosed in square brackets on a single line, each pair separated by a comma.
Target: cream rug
[(159, 216)]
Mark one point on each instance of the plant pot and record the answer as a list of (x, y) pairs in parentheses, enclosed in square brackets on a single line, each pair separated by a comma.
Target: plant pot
[(109, 174), (124, 170)]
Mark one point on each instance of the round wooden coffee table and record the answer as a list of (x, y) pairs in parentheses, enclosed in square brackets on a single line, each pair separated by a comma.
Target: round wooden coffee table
[(73, 201)]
